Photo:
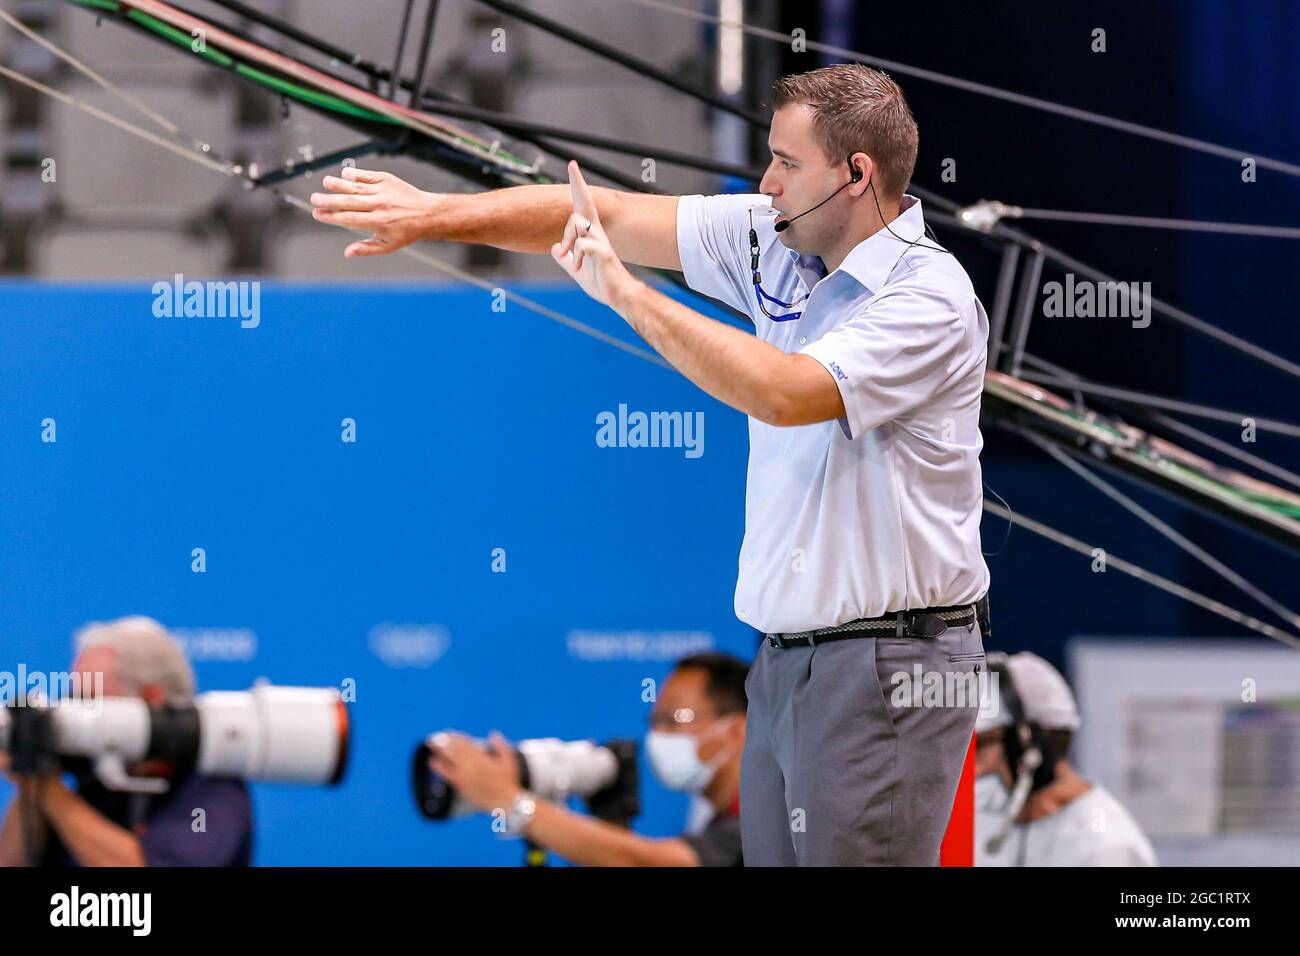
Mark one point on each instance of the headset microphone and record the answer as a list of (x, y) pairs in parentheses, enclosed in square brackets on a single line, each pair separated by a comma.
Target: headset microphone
[(857, 177)]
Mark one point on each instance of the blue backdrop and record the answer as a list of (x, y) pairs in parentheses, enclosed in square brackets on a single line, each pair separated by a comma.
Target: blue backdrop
[(475, 429), (373, 561)]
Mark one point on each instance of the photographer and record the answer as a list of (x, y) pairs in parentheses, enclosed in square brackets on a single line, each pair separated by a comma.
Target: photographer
[(694, 746), (197, 821)]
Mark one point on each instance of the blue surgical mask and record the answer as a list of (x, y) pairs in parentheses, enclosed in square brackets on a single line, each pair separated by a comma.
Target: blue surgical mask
[(675, 760)]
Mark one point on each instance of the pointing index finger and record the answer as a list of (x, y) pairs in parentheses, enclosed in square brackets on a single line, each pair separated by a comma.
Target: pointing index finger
[(583, 204)]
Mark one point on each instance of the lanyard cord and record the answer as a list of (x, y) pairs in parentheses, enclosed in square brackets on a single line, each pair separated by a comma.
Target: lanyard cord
[(759, 293)]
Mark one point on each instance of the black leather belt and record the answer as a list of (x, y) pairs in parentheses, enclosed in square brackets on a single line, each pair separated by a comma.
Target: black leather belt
[(926, 622)]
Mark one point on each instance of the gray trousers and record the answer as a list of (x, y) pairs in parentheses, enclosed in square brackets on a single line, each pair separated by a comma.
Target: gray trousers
[(849, 763)]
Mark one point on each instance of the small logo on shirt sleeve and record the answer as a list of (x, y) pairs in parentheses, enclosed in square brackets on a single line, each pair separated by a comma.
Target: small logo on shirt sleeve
[(839, 372)]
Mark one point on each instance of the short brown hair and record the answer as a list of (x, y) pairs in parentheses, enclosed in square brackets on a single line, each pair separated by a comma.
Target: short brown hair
[(858, 109)]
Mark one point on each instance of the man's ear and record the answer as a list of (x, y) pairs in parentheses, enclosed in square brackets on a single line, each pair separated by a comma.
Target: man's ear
[(863, 168), (153, 695)]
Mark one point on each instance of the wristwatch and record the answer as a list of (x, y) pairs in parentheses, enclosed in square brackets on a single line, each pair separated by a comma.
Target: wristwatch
[(521, 813)]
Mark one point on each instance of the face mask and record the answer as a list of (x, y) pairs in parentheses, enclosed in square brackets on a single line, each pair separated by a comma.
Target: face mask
[(675, 760), (991, 793)]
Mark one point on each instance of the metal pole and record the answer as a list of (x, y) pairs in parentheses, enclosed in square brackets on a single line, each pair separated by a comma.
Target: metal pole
[(426, 41), (1002, 301), (401, 49), (616, 55), (1025, 308)]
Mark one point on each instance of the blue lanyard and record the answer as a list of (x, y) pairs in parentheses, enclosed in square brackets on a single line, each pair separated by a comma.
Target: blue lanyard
[(759, 294)]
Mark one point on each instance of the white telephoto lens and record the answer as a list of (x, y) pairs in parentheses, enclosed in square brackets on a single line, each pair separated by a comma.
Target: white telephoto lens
[(280, 734)]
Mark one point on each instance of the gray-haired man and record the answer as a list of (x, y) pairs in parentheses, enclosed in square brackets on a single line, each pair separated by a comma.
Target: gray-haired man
[(92, 825)]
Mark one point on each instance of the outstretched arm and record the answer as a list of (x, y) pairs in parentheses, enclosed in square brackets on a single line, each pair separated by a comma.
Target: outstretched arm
[(521, 218)]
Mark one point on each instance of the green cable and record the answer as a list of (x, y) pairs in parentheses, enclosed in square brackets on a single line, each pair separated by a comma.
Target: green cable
[(278, 84), (324, 100), (179, 37)]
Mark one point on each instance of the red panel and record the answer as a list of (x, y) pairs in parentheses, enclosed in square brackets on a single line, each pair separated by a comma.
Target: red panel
[(958, 848)]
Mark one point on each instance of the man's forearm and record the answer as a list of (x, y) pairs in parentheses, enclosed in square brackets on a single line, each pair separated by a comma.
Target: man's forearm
[(13, 852), (518, 218), (590, 842), (734, 367)]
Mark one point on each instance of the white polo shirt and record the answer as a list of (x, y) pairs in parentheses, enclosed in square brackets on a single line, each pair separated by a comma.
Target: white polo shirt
[(879, 511)]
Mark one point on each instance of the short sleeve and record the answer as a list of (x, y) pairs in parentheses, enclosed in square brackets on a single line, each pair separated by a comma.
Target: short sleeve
[(893, 355), (719, 843), (175, 838), (713, 244)]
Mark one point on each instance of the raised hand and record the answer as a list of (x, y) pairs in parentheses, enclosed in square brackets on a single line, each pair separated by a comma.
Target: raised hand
[(585, 252)]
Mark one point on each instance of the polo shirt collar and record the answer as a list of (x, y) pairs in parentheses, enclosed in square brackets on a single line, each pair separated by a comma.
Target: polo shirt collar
[(872, 260)]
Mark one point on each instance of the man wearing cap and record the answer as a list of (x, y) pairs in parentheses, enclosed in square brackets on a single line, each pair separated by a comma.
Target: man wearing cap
[(1031, 806)]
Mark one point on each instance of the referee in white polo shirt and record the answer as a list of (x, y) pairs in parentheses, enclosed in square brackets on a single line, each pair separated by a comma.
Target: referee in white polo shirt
[(861, 560)]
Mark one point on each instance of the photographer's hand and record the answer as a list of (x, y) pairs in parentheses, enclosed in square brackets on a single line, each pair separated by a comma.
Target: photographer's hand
[(487, 779), (490, 781), (90, 837)]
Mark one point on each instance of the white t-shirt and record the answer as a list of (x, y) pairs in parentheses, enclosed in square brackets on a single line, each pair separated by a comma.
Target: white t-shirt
[(1092, 830), (881, 510)]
